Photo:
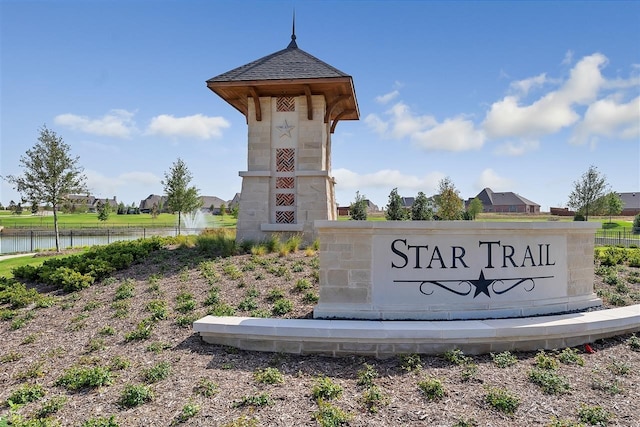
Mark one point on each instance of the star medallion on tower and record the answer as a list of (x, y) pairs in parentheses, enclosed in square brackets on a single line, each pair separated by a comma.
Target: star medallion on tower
[(285, 129)]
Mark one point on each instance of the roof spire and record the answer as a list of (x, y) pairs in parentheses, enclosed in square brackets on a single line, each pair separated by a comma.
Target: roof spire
[(293, 43)]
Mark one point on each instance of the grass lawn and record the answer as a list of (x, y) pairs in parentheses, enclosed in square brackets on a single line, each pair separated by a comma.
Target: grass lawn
[(9, 264), (86, 220)]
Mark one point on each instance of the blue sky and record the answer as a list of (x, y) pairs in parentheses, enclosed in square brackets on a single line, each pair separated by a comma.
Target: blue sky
[(515, 96)]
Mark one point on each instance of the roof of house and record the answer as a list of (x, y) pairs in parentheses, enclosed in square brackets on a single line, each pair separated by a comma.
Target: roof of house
[(630, 200), (506, 198), (208, 201), (288, 72)]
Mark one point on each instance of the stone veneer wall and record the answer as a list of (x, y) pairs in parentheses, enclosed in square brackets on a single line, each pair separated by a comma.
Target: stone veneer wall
[(347, 279), (314, 187)]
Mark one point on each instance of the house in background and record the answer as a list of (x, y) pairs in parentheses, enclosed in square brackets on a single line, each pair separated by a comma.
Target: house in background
[(630, 203), (371, 208), (87, 203), (212, 204), (505, 202), (146, 205)]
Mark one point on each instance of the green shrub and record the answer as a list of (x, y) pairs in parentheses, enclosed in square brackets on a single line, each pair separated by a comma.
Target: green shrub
[(502, 400), (142, 332), (188, 411), (544, 361), (557, 422), (549, 381), (135, 395), (185, 302), (158, 347), (431, 388), (248, 304), (325, 389), (594, 415), (186, 321), (302, 285), (222, 309), (125, 291), (213, 298), (366, 375), (268, 376), (633, 342), (76, 378), (107, 330), (504, 359), (119, 363), (51, 406), (329, 415), (275, 294), (410, 362), (570, 356), (282, 307), (262, 399), (456, 356), (101, 422), (206, 388), (25, 394), (310, 298), (16, 294), (373, 398), (157, 372), (158, 309)]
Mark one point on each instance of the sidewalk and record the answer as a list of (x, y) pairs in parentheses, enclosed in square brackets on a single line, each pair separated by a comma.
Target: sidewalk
[(3, 257)]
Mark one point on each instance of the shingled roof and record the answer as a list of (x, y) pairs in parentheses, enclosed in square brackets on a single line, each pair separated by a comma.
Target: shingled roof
[(289, 72), (489, 198)]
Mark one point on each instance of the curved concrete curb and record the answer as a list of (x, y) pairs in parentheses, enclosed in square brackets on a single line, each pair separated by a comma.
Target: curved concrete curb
[(387, 338)]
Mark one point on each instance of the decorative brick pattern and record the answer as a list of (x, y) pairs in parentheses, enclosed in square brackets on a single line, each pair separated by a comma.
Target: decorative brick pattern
[(285, 159), (285, 182), (285, 199), (285, 103), (285, 217)]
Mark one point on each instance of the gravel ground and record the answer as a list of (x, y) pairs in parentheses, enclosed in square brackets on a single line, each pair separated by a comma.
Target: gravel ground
[(89, 329)]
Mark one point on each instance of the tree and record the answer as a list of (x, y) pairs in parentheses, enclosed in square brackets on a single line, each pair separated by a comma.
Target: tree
[(50, 174), (223, 209), (421, 211), (122, 209), (235, 210), (475, 207), (613, 204), (34, 207), (587, 190), (395, 209), (180, 197), (155, 211), (358, 209), (449, 204), (104, 209)]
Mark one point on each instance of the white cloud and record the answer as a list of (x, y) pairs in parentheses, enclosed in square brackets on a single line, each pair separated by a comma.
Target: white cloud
[(117, 123), (387, 97), (523, 86), (517, 148), (489, 178), (552, 112), (452, 135), (402, 122), (386, 179), (609, 118), (568, 58), (196, 126)]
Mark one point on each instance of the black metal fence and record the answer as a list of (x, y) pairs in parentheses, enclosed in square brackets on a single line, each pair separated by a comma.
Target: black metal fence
[(624, 238), (15, 241)]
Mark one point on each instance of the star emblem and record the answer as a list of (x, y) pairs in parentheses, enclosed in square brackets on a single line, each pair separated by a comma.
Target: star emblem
[(482, 285), (285, 129)]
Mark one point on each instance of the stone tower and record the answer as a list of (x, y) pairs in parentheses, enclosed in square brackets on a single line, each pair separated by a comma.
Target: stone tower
[(292, 102)]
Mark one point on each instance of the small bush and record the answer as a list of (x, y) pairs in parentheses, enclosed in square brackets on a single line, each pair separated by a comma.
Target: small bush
[(158, 309), (101, 422), (51, 406), (25, 394), (262, 399), (206, 388), (188, 411), (107, 330), (549, 381), (504, 359), (329, 415), (410, 362), (248, 304), (432, 388), (456, 356), (187, 320), (544, 361), (325, 389), (373, 398), (125, 291), (366, 375), (302, 285), (135, 395), (119, 363), (594, 415), (142, 332), (158, 347), (310, 298), (77, 378), (275, 294), (570, 356), (157, 372), (502, 400), (282, 307), (269, 376), (185, 302), (222, 309), (634, 342)]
